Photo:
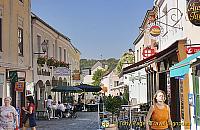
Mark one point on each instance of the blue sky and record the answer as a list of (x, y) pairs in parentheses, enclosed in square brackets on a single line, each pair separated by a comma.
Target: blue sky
[(98, 28)]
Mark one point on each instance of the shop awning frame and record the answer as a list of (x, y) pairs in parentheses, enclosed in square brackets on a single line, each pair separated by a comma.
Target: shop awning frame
[(182, 68)]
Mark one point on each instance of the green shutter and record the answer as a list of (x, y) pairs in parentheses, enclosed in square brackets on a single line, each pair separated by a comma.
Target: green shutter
[(13, 76)]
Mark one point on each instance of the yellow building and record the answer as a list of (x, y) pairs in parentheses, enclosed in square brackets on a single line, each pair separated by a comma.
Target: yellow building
[(15, 58), (59, 49)]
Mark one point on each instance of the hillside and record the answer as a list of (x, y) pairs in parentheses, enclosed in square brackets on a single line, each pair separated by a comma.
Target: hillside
[(88, 63)]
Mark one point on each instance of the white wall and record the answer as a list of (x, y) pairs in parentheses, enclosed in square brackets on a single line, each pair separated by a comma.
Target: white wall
[(137, 89)]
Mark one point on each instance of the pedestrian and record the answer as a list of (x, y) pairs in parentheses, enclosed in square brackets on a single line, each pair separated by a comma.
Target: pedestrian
[(159, 113), (8, 116), (29, 120)]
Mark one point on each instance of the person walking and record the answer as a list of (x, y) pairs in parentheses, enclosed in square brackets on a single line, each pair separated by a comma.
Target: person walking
[(8, 116), (29, 120), (159, 113), (49, 107)]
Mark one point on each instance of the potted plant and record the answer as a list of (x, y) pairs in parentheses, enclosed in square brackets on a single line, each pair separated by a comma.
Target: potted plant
[(41, 60), (113, 105), (56, 63), (63, 64), (51, 62)]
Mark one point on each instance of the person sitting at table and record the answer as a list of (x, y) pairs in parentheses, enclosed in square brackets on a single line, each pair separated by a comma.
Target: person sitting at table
[(60, 109)]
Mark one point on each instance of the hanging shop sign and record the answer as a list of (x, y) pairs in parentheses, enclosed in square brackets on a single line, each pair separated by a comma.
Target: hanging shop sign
[(147, 52), (29, 88), (193, 11), (155, 31), (192, 50), (76, 75), (19, 86), (62, 71)]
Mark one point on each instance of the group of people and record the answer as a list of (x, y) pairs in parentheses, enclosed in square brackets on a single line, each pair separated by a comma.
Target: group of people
[(9, 115), (159, 113), (58, 109)]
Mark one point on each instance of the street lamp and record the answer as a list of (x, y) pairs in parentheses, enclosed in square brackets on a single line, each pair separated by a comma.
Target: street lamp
[(44, 47)]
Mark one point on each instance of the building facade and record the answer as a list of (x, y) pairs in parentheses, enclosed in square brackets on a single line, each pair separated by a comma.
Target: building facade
[(59, 54), (15, 58)]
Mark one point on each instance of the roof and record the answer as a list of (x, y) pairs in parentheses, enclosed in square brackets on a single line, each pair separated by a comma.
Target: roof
[(154, 58), (34, 16)]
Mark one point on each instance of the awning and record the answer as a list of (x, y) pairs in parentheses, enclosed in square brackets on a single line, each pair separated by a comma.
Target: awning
[(182, 68)]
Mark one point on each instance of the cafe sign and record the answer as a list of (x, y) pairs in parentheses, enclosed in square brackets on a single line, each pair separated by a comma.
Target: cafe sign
[(192, 50), (147, 52), (155, 31), (193, 10)]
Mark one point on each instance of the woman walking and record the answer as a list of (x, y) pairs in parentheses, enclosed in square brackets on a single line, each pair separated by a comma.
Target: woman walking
[(159, 113), (29, 120), (8, 116)]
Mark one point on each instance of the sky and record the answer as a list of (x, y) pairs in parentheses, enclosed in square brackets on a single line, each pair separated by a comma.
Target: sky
[(99, 29)]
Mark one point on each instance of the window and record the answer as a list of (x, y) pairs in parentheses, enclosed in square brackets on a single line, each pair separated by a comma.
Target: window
[(53, 50), (20, 41), (0, 34), (165, 18), (65, 55), (47, 53), (137, 55), (39, 43), (116, 83), (60, 53)]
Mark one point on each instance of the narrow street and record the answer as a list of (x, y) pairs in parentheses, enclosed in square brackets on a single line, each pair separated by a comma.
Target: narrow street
[(84, 121)]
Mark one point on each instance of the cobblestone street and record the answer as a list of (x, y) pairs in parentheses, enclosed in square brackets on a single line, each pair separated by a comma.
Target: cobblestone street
[(84, 121)]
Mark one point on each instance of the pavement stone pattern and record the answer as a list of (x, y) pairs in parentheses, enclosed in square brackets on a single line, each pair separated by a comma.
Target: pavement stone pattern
[(84, 121)]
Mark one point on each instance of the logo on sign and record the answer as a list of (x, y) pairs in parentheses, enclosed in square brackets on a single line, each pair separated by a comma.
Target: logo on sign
[(192, 50), (147, 52), (155, 31), (19, 86)]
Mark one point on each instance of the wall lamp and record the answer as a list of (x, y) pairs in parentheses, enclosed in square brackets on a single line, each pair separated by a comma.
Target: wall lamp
[(44, 47)]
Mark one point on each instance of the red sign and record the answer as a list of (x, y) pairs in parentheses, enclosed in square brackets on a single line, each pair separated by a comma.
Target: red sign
[(192, 50), (148, 52), (19, 86)]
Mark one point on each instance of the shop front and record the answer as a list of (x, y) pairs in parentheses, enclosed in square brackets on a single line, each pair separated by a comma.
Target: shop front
[(187, 71)]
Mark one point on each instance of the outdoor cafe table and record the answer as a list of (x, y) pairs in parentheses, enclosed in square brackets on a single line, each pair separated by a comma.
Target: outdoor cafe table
[(92, 107)]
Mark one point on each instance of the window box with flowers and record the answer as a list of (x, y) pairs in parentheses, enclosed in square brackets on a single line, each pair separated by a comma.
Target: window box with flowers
[(56, 63), (63, 64), (51, 62), (41, 60)]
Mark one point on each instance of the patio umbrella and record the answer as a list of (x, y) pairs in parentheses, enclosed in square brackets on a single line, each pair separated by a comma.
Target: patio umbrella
[(88, 88), (66, 89)]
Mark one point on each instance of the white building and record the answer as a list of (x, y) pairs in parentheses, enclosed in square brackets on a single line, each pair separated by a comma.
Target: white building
[(110, 81)]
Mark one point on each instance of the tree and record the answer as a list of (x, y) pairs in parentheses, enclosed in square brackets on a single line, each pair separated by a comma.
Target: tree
[(127, 58), (113, 104), (97, 77)]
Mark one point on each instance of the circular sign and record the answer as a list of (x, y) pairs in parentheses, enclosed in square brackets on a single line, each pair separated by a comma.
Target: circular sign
[(105, 124), (193, 10), (155, 31)]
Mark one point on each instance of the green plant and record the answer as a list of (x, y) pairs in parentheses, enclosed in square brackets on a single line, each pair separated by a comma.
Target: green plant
[(56, 63), (51, 62), (113, 104), (41, 60), (63, 64)]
